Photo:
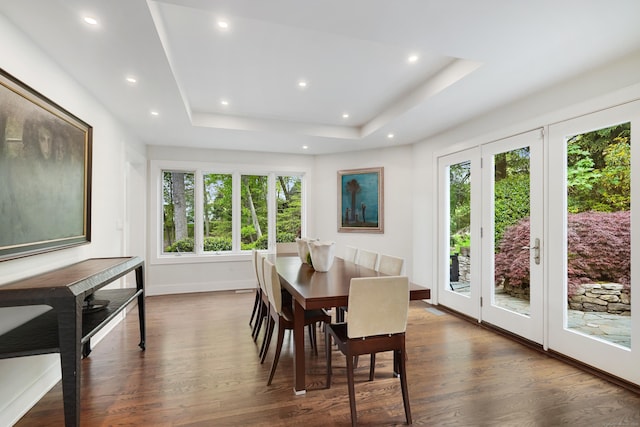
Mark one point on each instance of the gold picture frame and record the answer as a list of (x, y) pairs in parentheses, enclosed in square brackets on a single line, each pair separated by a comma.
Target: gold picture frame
[(45, 171)]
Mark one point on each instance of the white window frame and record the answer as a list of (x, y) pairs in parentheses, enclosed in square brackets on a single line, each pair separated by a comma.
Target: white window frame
[(199, 169)]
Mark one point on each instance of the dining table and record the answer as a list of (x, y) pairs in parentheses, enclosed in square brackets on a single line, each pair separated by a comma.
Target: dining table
[(311, 289)]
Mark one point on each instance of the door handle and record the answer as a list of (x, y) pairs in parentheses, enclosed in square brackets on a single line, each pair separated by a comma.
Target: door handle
[(536, 248)]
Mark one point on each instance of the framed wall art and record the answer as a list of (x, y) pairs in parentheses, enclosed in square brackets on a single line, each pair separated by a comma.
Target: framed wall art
[(45, 173), (361, 200)]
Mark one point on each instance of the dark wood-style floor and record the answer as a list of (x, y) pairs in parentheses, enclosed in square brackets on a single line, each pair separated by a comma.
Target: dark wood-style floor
[(201, 368)]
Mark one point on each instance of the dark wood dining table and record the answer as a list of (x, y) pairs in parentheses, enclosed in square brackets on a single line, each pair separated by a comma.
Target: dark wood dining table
[(312, 289)]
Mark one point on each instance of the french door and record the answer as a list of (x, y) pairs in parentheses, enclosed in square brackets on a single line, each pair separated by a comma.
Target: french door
[(490, 222), (459, 231), (593, 235), (512, 235)]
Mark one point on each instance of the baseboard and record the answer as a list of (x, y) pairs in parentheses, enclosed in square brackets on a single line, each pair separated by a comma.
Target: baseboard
[(195, 287), (23, 401)]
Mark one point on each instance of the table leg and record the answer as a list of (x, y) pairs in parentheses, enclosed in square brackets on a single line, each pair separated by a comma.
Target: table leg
[(299, 386)]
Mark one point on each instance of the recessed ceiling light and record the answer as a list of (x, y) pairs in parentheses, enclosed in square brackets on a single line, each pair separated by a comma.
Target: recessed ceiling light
[(224, 102), (412, 58), (90, 20), (154, 113), (223, 25), (390, 135), (305, 147), (345, 115), (132, 80), (302, 84)]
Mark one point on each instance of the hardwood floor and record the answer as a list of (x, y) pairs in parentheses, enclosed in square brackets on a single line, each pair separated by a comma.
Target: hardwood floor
[(201, 368)]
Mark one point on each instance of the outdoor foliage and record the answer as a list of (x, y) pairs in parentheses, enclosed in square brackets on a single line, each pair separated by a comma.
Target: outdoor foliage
[(459, 205), (511, 201), (599, 249), (218, 211), (598, 172)]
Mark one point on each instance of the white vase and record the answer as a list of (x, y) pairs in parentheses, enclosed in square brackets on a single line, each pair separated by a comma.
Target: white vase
[(322, 255), (303, 248)]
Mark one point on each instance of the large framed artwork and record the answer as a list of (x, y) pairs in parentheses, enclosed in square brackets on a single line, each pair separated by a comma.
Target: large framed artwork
[(361, 200), (45, 173)]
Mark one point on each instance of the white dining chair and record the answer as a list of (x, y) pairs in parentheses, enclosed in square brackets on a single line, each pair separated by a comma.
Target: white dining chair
[(378, 310), (390, 265), (350, 254), (367, 259), (287, 248)]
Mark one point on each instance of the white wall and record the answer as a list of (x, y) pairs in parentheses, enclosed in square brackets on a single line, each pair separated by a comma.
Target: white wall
[(24, 380), (399, 189)]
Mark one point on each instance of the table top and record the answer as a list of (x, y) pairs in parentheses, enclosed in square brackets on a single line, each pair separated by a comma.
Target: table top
[(69, 281), (314, 289)]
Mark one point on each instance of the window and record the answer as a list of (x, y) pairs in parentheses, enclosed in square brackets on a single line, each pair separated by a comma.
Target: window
[(255, 207), (213, 211), (217, 203), (177, 209), (289, 213)]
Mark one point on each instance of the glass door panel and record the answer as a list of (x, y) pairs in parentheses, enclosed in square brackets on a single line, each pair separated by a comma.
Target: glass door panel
[(459, 231)]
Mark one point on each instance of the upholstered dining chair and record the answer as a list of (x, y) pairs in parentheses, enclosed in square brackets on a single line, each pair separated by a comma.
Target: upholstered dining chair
[(263, 306), (390, 265), (378, 309), (350, 254), (258, 298), (282, 317), (287, 248), (367, 259)]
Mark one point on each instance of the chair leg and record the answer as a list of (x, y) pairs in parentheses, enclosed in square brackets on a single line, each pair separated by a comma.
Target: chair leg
[(403, 385), (352, 391), (312, 336), (255, 307), (372, 367), (267, 339), (276, 357), (262, 309), (327, 346)]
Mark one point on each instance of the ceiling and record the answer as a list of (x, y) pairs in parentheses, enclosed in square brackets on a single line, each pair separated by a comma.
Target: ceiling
[(473, 56)]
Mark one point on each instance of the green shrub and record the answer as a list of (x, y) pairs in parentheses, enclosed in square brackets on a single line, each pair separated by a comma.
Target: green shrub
[(217, 244), (285, 237), (184, 245)]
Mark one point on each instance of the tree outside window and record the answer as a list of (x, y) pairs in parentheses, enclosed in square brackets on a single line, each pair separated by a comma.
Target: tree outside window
[(178, 210)]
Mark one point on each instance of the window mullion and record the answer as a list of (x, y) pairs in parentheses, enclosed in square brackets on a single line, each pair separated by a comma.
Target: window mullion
[(198, 216), (237, 213), (272, 210)]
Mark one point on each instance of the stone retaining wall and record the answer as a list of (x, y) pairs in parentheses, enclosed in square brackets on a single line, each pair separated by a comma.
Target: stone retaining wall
[(603, 297)]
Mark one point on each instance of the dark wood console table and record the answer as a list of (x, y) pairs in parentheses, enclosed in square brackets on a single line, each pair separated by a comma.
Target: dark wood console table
[(65, 329)]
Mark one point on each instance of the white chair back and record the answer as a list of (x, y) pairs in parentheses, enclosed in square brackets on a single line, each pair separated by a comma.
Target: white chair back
[(350, 253), (272, 282), (260, 271), (286, 248), (378, 306), (367, 259), (390, 265)]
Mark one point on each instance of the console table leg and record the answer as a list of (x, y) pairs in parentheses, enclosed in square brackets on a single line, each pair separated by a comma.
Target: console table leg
[(140, 286), (70, 335)]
